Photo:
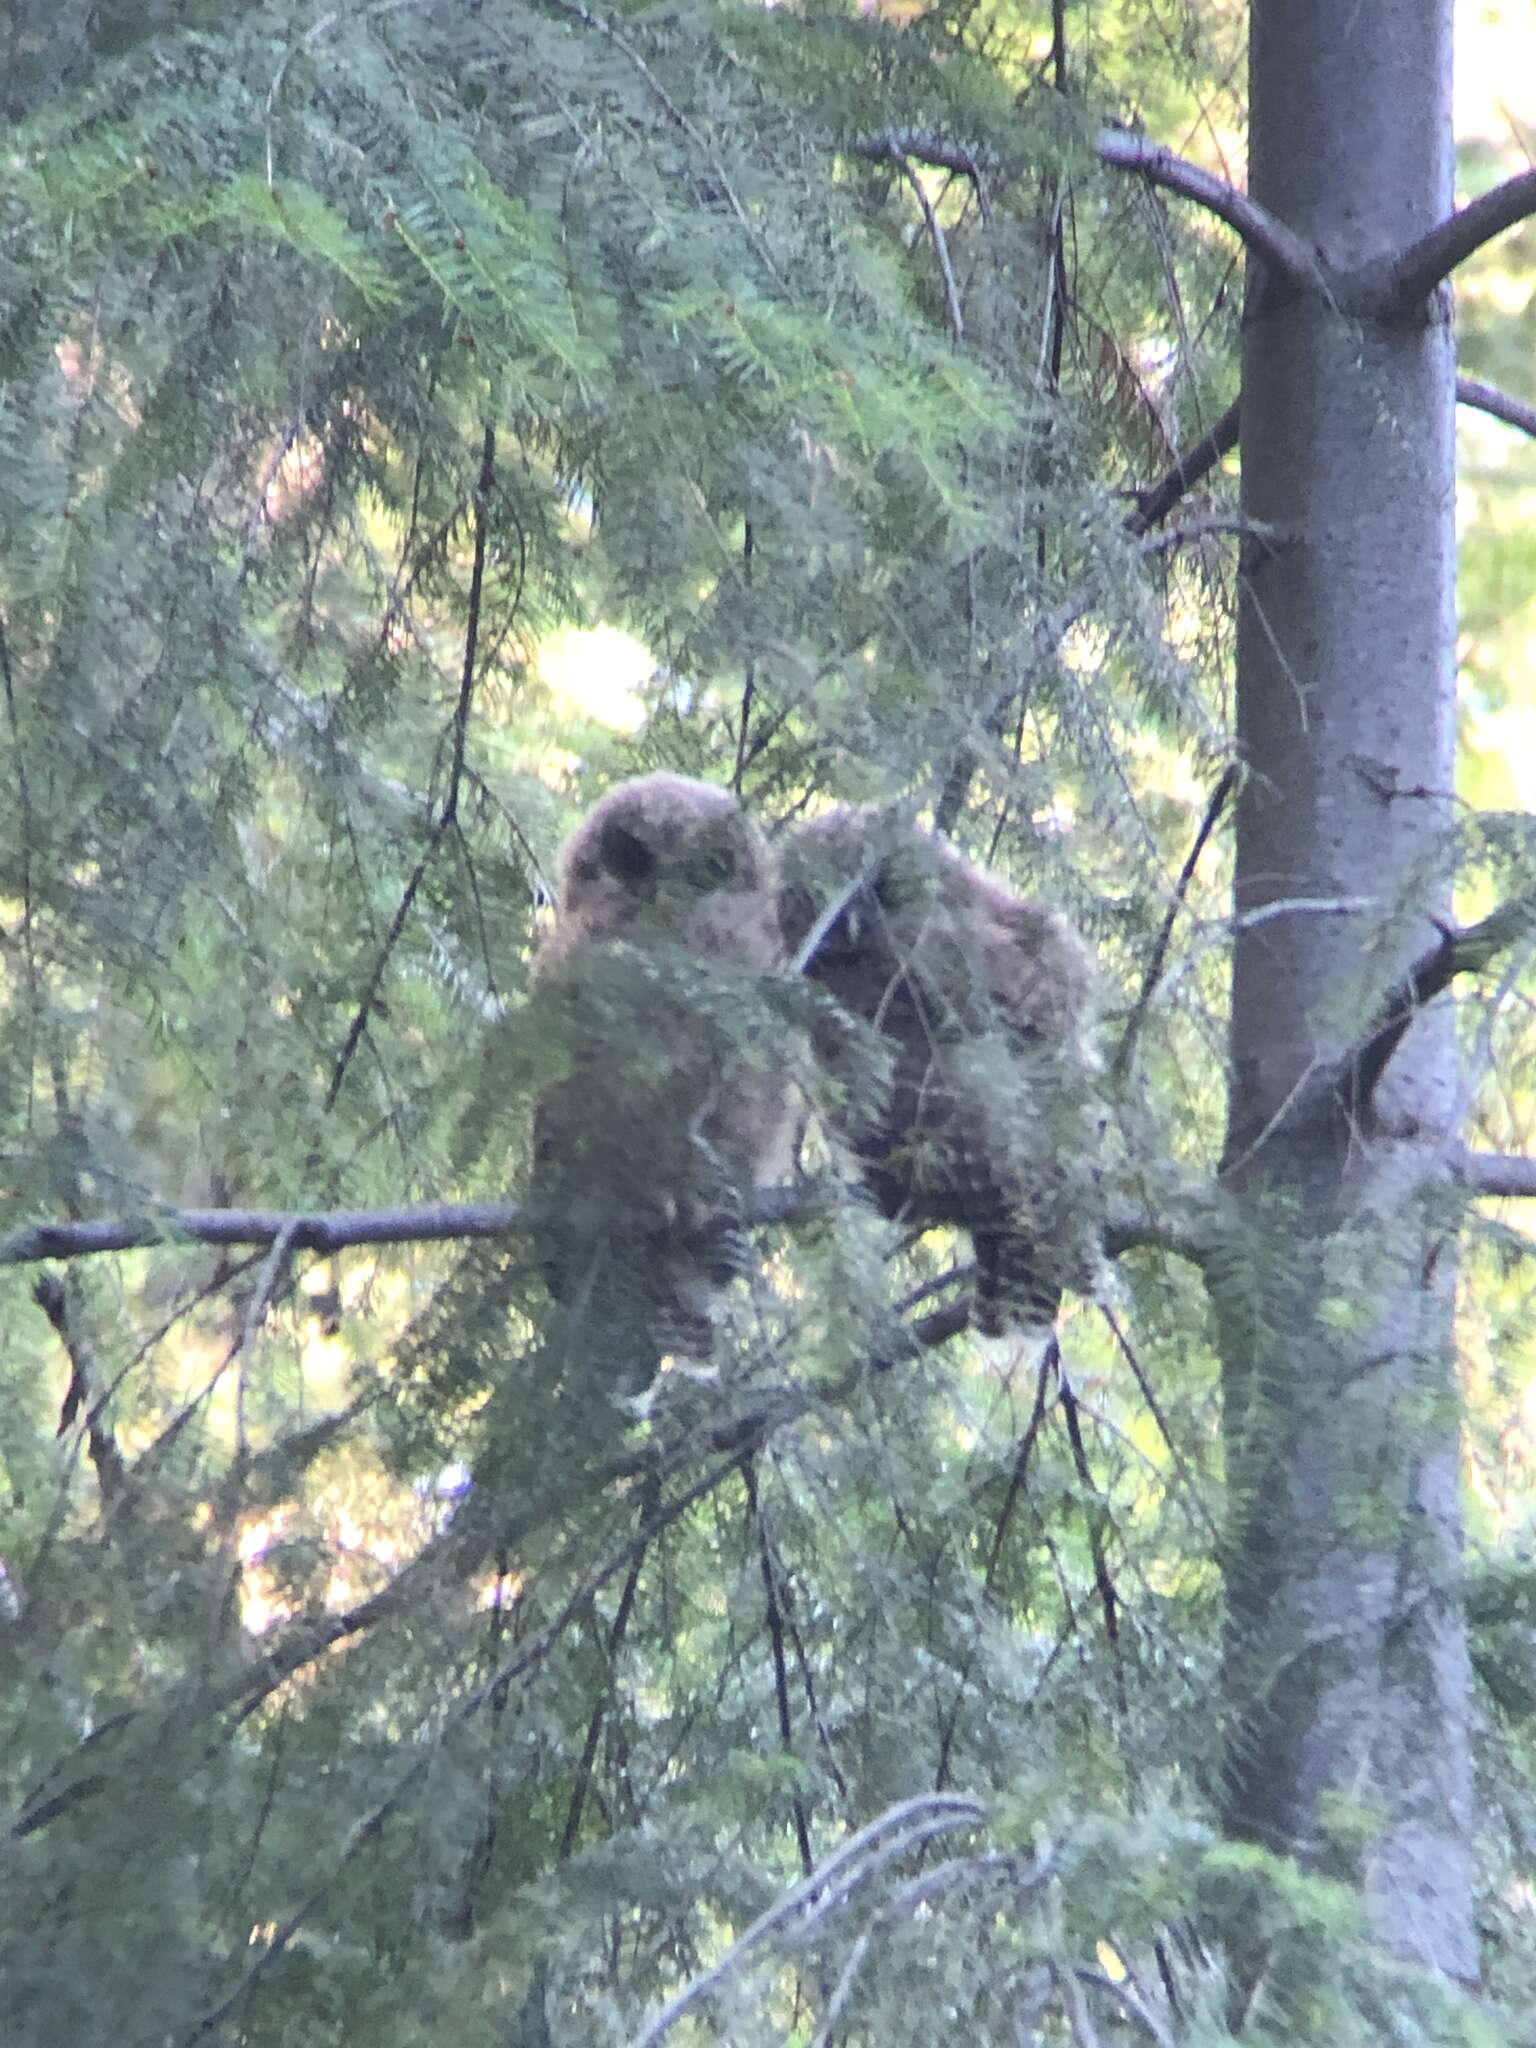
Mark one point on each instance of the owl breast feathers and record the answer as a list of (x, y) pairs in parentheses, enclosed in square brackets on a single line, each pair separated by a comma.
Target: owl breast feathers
[(981, 1000)]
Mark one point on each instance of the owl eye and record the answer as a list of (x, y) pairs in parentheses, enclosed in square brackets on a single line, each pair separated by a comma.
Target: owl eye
[(710, 866), (628, 859)]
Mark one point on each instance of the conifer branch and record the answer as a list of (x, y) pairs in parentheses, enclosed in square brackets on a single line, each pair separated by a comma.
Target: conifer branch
[(1499, 405), (590, 18), (1408, 279), (1469, 951), (336, 1230), (1282, 249), (1125, 1052), (940, 245), (1506, 1174), (524, 1662), (1158, 500)]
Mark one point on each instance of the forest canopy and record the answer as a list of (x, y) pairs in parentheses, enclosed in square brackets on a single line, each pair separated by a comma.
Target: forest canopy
[(1033, 425)]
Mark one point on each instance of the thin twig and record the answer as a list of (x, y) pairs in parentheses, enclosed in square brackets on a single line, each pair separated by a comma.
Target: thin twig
[(1499, 405), (952, 304), (459, 729), (1098, 1518), (1125, 1051), (588, 1758), (899, 1829), (772, 1570)]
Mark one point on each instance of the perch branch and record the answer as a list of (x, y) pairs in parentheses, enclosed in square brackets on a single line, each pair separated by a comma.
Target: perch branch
[(444, 1222)]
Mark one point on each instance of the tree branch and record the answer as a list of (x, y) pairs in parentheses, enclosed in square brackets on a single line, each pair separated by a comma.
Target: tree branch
[(889, 145), (444, 1222), (1125, 1052), (434, 1223), (1155, 501), (447, 817), (478, 1524), (1506, 1174), (1459, 952), (1514, 412), (1407, 280), (1158, 500), (1282, 250)]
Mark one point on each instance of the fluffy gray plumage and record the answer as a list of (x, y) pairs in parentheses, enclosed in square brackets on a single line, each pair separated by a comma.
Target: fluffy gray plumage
[(981, 1000), (675, 1098)]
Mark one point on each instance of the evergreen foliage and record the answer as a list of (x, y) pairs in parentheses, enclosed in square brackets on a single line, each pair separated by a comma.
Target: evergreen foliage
[(376, 1677)]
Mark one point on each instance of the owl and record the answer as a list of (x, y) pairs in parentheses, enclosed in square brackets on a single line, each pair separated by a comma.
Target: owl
[(673, 1100), (980, 999)]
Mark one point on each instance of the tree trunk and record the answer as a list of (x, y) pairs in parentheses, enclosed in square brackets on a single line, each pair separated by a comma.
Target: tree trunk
[(1347, 1671)]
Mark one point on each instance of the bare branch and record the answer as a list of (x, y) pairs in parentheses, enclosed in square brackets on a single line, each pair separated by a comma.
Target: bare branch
[(1156, 501), (899, 1829), (993, 1868), (1506, 1174), (1459, 952), (1499, 405), (928, 146), (1159, 499), (435, 1223), (940, 246), (1284, 251), (1407, 280)]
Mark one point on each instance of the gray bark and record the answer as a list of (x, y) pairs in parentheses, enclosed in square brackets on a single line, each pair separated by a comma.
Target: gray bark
[(1346, 1671)]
